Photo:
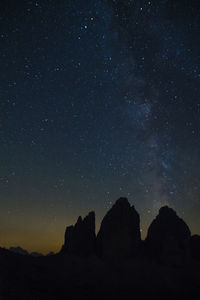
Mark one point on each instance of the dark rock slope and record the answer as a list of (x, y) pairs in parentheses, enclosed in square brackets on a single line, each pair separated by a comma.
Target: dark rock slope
[(119, 234), (195, 246), (80, 239), (168, 236)]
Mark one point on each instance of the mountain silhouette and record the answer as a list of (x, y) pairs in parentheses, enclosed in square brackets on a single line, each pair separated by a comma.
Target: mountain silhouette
[(168, 237), (19, 250), (80, 239), (119, 234), (22, 251), (115, 264)]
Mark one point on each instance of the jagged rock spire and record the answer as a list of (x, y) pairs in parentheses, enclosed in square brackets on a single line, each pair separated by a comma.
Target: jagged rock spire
[(80, 239), (119, 234), (168, 236)]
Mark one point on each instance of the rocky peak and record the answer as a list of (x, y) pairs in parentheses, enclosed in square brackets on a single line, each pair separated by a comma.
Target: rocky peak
[(119, 234), (167, 212), (122, 202), (168, 235), (80, 239)]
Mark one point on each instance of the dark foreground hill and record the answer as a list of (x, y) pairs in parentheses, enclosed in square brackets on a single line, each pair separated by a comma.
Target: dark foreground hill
[(70, 277), (114, 265)]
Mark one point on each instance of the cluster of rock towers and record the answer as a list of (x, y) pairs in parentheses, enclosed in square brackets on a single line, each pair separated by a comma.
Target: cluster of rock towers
[(119, 235)]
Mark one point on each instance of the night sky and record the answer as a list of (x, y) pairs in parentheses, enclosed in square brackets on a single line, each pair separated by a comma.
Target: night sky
[(98, 99)]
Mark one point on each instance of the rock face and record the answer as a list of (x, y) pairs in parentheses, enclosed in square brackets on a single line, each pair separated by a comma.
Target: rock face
[(80, 239), (195, 246), (168, 237), (119, 234)]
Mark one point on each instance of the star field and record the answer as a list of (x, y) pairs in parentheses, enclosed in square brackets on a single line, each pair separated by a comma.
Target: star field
[(99, 99)]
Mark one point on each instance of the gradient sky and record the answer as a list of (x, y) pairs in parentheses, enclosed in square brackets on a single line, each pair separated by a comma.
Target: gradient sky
[(98, 99)]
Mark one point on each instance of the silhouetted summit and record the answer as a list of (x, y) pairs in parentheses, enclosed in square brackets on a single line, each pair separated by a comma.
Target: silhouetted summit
[(168, 236), (22, 251), (19, 250), (80, 239), (119, 234), (173, 273)]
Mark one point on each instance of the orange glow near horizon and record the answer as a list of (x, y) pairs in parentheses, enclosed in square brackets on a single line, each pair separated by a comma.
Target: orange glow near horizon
[(46, 237)]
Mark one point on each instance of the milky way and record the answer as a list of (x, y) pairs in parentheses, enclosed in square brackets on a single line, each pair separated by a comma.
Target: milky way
[(99, 99)]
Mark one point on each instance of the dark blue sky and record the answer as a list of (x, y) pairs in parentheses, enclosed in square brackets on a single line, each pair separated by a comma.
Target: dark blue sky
[(99, 99)]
